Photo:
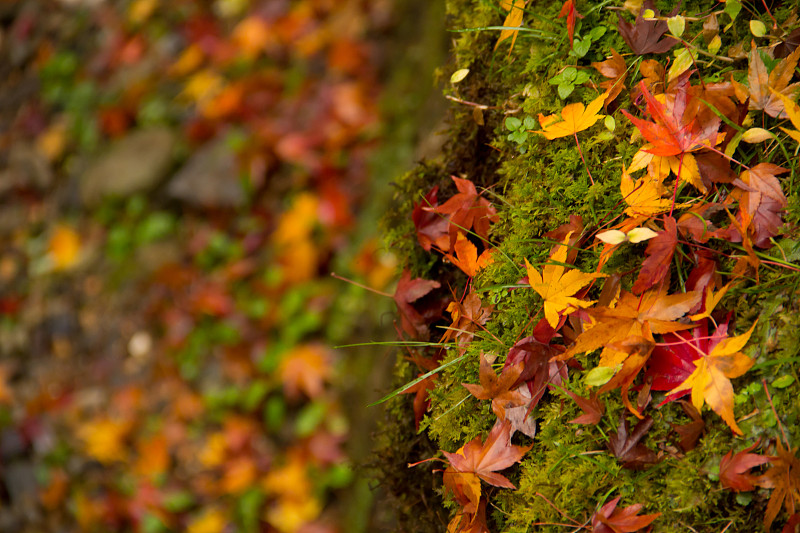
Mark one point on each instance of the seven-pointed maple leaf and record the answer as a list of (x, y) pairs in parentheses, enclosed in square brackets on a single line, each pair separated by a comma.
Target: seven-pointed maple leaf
[(676, 128), (485, 459), (467, 210), (592, 409), (568, 10), (710, 381), (625, 445), (644, 196), (609, 519), (784, 480), (466, 256), (765, 87), (557, 285), (734, 469), (659, 254), (516, 11), (574, 118), (497, 388), (645, 36), (615, 69)]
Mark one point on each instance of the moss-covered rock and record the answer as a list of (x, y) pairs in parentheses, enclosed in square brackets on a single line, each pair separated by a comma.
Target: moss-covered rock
[(538, 185)]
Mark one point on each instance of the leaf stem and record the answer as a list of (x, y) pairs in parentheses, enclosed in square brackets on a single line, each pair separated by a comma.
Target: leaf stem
[(575, 134)]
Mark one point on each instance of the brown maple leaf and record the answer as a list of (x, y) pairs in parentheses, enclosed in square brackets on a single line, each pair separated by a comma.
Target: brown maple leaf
[(647, 36), (467, 316), (485, 459), (539, 368), (659, 252), (592, 409), (467, 210), (784, 480), (734, 469), (497, 388), (760, 202), (609, 519), (690, 432), (625, 445), (616, 70), (760, 82)]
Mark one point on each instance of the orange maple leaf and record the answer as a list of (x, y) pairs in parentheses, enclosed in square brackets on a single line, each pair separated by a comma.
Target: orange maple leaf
[(485, 459), (466, 256), (710, 382), (784, 480), (498, 388), (557, 285), (793, 112), (513, 20)]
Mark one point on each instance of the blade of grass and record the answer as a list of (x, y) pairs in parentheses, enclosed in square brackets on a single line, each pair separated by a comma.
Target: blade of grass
[(421, 378)]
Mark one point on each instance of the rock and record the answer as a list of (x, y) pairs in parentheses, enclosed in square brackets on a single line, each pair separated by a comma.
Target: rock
[(209, 178), (135, 164)]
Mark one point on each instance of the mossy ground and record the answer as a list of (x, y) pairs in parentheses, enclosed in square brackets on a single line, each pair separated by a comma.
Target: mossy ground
[(536, 185)]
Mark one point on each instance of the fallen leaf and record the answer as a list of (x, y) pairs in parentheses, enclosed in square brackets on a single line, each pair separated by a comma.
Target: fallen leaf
[(408, 292), (568, 10), (625, 445), (574, 118), (616, 70), (485, 459), (513, 20), (710, 381), (466, 256), (592, 409), (466, 210), (647, 36), (609, 519), (761, 201), (659, 254), (734, 469), (557, 285), (764, 87), (497, 388), (793, 112), (305, 369), (784, 480), (690, 432), (432, 227)]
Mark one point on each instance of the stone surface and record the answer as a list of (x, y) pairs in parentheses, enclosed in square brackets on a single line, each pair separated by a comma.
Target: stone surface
[(209, 178), (135, 164)]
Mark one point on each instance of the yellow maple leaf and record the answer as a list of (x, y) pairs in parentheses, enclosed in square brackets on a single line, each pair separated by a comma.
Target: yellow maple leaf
[(575, 117), (513, 20), (710, 382), (557, 284), (210, 521), (793, 110), (105, 439), (64, 247), (466, 256), (644, 196)]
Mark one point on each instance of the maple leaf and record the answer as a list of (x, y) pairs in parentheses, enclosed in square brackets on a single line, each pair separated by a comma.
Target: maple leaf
[(497, 388), (568, 10), (557, 285), (467, 317), (415, 322), (734, 469), (432, 228), (690, 432), (105, 439), (574, 118), (644, 196), (710, 381), (467, 210), (760, 202), (466, 256), (647, 36), (625, 445), (764, 88), (609, 519), (592, 409), (615, 69), (784, 480), (485, 459), (659, 254), (305, 368), (793, 112), (513, 20), (465, 487), (535, 353), (64, 247), (676, 128)]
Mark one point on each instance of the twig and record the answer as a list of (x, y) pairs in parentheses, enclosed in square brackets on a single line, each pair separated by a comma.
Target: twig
[(467, 102), (769, 398), (357, 284)]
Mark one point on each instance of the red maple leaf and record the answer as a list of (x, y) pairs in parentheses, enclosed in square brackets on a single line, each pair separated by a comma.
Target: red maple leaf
[(734, 469), (660, 250), (568, 10), (431, 226), (414, 319), (467, 210), (609, 519)]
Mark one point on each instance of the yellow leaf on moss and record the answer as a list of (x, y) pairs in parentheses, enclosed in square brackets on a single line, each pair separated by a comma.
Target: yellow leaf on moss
[(575, 117), (513, 20), (557, 285), (104, 439), (210, 521)]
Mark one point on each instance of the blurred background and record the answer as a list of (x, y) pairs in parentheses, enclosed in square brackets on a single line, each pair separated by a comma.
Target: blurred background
[(178, 180)]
